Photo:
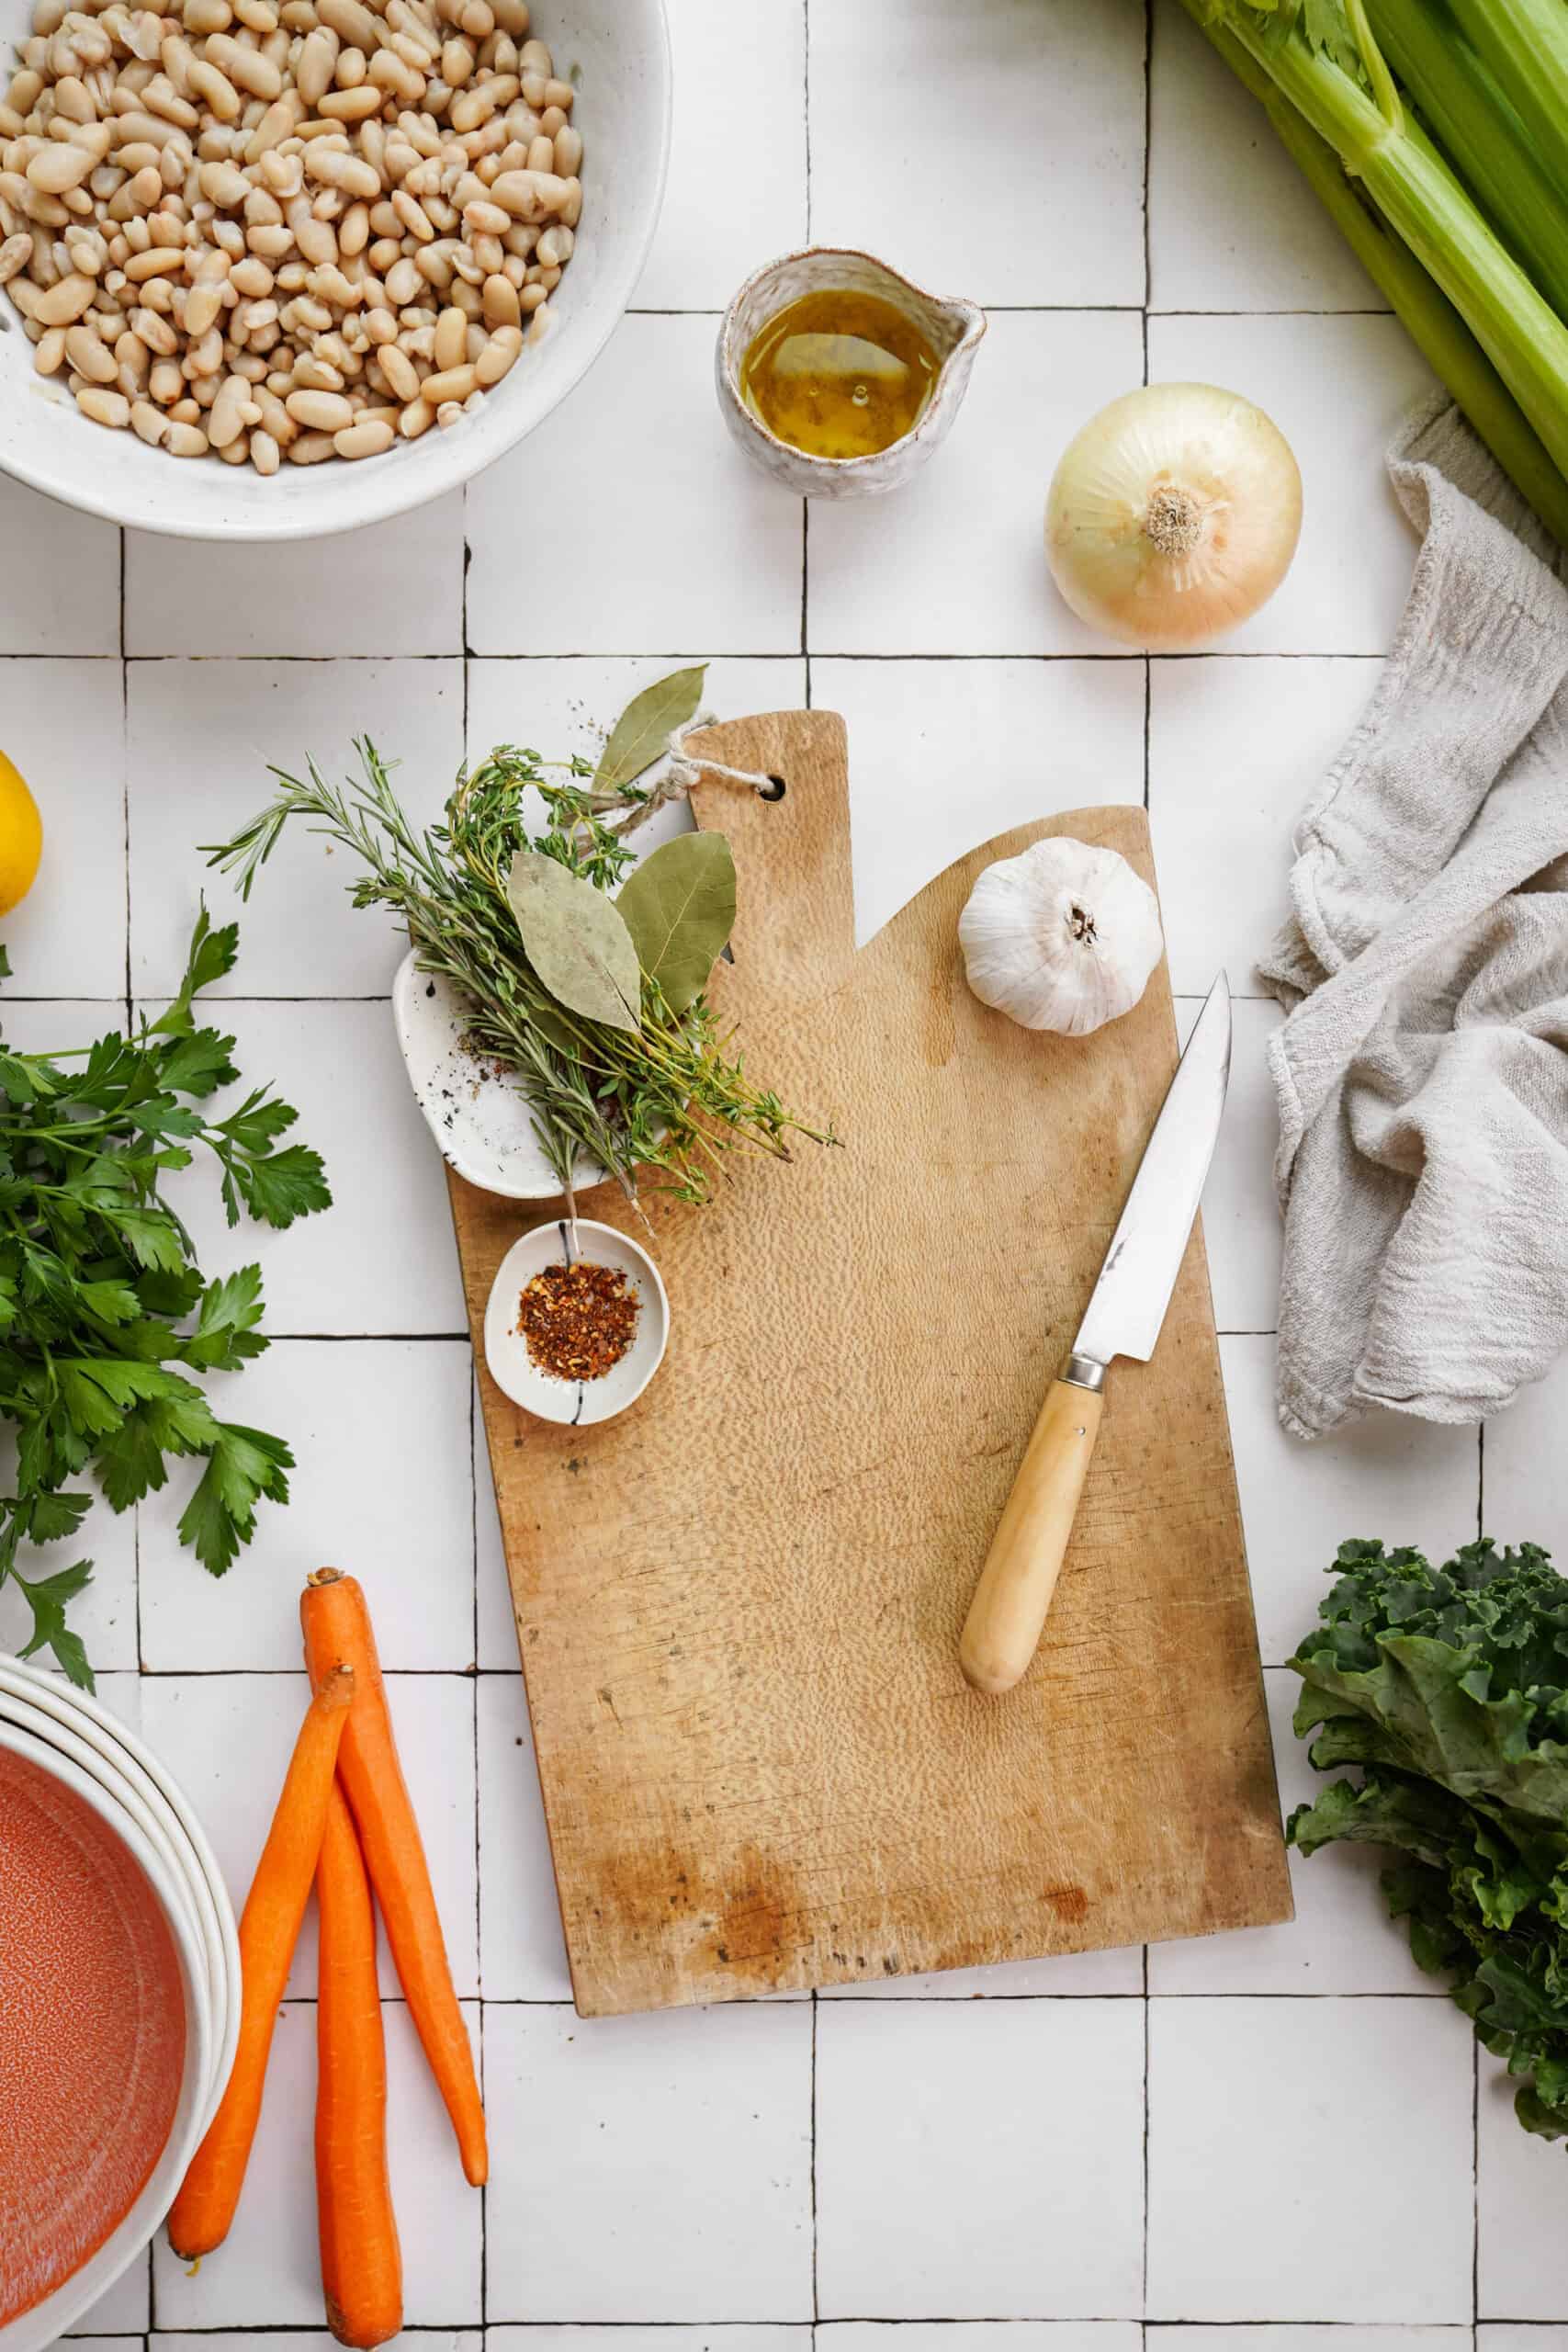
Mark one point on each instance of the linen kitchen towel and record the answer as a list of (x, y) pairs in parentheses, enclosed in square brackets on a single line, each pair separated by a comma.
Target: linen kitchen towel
[(1422, 1074)]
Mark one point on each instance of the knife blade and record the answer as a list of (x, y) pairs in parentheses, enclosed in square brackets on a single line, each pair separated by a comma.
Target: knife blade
[(1125, 1312)]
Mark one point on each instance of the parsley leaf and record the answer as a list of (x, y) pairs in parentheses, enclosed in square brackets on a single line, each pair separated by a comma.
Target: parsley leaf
[(106, 1322)]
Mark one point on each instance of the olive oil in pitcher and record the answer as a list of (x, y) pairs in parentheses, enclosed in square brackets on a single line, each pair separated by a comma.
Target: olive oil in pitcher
[(839, 374)]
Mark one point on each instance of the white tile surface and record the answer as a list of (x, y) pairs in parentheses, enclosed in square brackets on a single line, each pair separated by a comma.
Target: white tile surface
[(666, 2170), (957, 142), (64, 728), (957, 562), (1526, 1469), (1341, 1940), (1236, 749), (393, 588), (1406, 1481), (981, 2159), (497, 1626), (979, 2335), (398, 1408), (979, 2151), (1242, 1228), (736, 190), (269, 2262), (298, 933), (127, 2307), (672, 532), (946, 755), (731, 2338), (227, 1740), (569, 706), (1343, 2338), (383, 1259), (1253, 2105), (1232, 225), (317, 2340), (1346, 590), (1522, 2270), (522, 1950), (60, 579)]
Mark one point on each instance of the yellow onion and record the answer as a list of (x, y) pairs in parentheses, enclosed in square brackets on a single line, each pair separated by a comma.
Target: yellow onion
[(1173, 515)]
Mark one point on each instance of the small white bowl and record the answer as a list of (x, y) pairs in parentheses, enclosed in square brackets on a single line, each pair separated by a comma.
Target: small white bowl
[(33, 2330), (577, 1402)]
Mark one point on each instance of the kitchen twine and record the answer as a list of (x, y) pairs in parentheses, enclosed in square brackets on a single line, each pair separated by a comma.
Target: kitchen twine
[(684, 770)]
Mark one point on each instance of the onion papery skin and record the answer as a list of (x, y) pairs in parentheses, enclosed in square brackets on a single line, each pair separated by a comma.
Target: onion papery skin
[(1214, 460)]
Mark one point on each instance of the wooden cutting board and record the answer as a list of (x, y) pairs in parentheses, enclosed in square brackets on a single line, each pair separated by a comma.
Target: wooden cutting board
[(738, 1605)]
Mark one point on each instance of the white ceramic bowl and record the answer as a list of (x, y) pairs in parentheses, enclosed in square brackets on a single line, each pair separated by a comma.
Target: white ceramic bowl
[(32, 2329), (70, 1720), (577, 1402), (622, 110)]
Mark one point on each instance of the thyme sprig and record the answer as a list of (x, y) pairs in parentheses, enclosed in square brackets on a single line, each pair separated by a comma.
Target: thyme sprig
[(674, 1097)]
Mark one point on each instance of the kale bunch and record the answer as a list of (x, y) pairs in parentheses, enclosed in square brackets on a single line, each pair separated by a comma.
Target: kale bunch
[(1447, 1688)]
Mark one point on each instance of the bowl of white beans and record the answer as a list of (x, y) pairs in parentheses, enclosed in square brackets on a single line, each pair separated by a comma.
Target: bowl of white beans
[(271, 269)]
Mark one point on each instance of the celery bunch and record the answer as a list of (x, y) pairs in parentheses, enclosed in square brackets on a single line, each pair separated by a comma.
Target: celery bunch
[(1436, 133)]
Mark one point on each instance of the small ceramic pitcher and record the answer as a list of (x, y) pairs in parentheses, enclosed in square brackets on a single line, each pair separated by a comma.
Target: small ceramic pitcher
[(953, 328)]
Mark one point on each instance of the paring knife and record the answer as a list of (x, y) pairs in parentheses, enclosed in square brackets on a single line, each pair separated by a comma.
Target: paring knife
[(1123, 1318)]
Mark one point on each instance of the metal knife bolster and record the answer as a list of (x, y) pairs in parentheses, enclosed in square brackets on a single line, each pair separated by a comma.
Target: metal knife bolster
[(1083, 1372)]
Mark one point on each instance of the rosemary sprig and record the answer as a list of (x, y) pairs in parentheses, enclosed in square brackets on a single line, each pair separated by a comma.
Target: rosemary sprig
[(671, 1098)]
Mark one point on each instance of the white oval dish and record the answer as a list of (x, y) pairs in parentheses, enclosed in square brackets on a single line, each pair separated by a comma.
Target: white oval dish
[(33, 2330), (475, 1110), (623, 50), (577, 1402)]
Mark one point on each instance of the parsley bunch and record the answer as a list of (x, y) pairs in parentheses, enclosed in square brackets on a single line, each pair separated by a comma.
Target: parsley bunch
[(104, 1315)]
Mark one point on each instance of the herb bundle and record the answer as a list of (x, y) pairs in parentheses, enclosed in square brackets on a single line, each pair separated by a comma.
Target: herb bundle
[(593, 994), (1449, 1689), (106, 1321)]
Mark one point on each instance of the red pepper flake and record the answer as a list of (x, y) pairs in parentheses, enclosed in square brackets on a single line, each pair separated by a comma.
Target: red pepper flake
[(578, 1320)]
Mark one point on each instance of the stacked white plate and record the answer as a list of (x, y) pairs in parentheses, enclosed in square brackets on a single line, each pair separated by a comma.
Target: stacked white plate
[(69, 1736)]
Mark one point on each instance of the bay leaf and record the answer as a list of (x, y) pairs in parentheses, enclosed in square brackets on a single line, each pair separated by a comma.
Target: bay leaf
[(679, 906), (576, 940), (642, 733)]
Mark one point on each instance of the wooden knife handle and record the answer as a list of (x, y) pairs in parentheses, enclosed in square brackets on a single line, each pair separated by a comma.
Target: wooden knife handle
[(1002, 1631)]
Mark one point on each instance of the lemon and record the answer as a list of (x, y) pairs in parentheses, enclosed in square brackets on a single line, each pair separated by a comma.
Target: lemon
[(21, 838)]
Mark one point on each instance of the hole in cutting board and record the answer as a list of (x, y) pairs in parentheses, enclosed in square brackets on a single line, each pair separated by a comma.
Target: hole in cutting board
[(778, 791)]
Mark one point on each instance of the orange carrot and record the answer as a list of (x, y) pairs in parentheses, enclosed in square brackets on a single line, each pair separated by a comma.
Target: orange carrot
[(269, 1928), (362, 2270), (337, 1625)]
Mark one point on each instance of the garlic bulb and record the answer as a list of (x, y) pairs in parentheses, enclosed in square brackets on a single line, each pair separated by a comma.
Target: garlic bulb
[(1062, 937), (1173, 515)]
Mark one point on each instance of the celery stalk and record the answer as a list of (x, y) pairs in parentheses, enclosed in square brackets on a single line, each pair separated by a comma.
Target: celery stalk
[(1478, 129), (1525, 43), (1425, 206), (1427, 316)]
